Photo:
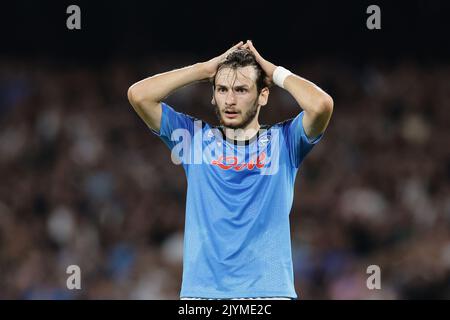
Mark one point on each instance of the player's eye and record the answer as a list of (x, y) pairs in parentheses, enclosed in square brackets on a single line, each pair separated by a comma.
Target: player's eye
[(241, 90), (222, 89)]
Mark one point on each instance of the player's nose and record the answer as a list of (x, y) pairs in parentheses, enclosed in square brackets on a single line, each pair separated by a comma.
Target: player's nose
[(230, 99)]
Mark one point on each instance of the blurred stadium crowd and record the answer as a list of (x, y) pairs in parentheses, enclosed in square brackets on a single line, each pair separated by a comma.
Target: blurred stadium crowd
[(85, 182)]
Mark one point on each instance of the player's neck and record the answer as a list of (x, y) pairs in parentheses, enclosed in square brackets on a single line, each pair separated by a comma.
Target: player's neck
[(245, 133)]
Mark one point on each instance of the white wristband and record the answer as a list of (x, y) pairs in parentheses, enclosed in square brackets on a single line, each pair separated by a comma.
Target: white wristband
[(279, 75)]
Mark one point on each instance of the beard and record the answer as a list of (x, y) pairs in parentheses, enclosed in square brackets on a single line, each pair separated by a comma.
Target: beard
[(246, 118)]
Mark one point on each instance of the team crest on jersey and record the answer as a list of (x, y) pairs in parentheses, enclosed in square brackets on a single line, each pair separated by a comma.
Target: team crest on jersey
[(264, 140)]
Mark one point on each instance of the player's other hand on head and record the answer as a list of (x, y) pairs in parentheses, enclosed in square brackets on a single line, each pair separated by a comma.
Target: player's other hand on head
[(267, 66), (211, 65)]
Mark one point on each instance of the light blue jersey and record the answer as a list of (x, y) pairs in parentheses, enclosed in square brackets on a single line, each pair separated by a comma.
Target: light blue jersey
[(239, 197)]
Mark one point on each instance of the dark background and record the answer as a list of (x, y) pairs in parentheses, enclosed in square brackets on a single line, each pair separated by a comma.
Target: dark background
[(283, 29)]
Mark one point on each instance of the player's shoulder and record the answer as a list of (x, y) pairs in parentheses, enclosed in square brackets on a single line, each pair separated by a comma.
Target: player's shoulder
[(183, 114), (286, 123), (282, 125)]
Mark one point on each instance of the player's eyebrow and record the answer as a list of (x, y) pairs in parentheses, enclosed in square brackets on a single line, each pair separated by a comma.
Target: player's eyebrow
[(243, 86)]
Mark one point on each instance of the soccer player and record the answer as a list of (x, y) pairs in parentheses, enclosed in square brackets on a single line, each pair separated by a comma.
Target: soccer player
[(240, 174)]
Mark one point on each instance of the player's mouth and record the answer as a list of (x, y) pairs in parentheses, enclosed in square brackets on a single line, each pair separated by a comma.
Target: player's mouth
[(231, 114)]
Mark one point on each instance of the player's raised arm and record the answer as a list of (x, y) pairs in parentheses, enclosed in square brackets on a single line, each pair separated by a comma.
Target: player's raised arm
[(316, 103), (146, 95)]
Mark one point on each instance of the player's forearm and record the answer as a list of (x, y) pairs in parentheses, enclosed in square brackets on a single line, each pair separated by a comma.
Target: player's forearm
[(156, 88), (310, 97)]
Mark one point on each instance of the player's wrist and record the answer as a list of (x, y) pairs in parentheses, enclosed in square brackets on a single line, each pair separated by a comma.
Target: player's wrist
[(279, 76), (203, 71)]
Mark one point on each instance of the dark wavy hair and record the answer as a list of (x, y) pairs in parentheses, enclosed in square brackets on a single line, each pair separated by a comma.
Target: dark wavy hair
[(240, 58)]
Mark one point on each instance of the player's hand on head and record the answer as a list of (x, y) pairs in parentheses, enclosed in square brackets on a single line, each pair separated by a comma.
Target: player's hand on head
[(267, 66), (211, 65)]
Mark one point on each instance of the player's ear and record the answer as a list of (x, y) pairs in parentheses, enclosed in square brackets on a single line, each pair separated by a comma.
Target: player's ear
[(263, 96)]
